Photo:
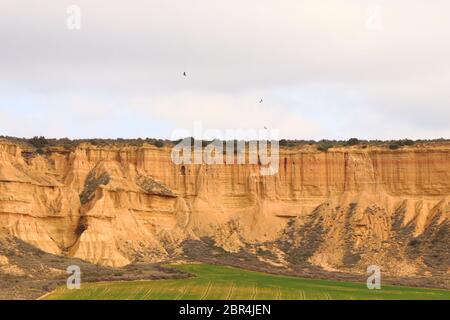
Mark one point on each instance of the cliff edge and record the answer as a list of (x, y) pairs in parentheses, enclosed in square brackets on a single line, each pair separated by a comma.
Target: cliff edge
[(343, 209)]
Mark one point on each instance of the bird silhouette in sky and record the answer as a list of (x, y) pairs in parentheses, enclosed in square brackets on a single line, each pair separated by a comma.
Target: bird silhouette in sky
[(265, 127), (184, 74), (261, 101)]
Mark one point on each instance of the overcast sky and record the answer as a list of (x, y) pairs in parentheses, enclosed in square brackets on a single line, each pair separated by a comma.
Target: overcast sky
[(324, 69)]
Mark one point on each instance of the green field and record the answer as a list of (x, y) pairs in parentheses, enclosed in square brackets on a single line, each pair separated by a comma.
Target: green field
[(226, 283)]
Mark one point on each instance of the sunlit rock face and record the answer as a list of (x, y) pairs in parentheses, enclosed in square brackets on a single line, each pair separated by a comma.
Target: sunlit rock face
[(341, 210)]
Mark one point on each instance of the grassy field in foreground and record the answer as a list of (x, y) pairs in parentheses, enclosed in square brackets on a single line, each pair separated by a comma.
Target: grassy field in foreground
[(226, 283)]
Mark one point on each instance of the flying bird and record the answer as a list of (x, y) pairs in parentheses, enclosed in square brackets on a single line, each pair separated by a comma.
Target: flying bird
[(261, 101), (265, 127), (184, 74)]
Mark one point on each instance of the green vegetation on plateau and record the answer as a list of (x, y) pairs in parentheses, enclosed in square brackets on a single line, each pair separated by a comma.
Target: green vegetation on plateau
[(226, 283), (41, 143)]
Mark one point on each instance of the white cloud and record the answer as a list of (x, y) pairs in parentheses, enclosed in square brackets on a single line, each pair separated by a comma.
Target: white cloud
[(130, 56), (222, 112)]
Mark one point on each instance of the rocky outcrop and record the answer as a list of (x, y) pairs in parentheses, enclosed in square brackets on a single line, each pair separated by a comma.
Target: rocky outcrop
[(343, 209)]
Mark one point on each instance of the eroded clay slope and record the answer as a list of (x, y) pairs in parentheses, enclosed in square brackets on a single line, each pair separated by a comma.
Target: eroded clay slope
[(341, 210)]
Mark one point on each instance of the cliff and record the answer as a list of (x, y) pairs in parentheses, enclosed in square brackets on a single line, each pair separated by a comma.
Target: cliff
[(343, 209)]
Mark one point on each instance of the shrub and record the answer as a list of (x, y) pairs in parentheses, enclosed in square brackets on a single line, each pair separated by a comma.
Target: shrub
[(324, 145), (352, 142), (38, 142), (394, 146), (407, 142), (400, 143), (414, 242)]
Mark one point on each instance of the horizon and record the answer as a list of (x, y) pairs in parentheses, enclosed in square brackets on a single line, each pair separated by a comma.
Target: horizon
[(191, 137)]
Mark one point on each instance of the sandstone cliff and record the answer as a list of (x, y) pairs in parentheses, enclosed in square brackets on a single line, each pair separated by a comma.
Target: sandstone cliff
[(343, 209)]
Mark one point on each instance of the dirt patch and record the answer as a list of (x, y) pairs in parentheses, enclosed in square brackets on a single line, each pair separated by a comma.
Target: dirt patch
[(91, 184), (42, 272)]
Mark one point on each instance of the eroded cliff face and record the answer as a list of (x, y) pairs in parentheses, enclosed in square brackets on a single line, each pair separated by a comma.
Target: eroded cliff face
[(341, 210)]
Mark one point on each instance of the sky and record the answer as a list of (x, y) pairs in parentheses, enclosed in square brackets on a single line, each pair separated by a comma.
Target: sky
[(332, 69)]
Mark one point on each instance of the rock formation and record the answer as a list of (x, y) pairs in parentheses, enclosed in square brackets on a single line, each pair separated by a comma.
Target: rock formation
[(343, 209)]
